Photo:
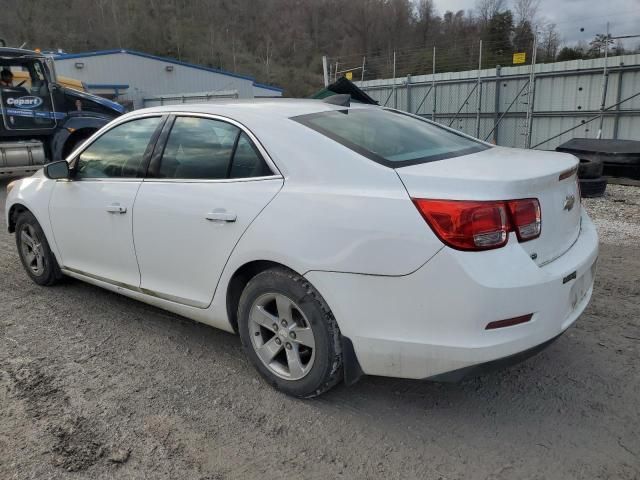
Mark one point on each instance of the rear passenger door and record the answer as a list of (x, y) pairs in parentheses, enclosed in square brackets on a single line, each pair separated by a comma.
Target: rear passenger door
[(207, 181)]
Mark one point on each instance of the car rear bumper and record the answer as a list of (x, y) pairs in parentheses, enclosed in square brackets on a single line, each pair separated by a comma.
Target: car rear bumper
[(434, 320)]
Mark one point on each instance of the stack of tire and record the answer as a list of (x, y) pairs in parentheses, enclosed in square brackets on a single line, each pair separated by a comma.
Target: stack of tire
[(592, 183)]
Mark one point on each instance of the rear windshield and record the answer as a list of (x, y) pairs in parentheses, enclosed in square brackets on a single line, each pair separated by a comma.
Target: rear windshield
[(389, 137)]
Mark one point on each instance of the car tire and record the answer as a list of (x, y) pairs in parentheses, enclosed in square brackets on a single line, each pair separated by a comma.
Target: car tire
[(590, 168), (593, 187), (274, 304), (35, 254)]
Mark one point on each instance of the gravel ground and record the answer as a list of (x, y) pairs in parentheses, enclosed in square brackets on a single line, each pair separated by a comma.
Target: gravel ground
[(97, 386), (617, 215)]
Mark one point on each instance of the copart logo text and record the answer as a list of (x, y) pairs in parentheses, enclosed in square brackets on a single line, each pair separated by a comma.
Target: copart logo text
[(25, 102)]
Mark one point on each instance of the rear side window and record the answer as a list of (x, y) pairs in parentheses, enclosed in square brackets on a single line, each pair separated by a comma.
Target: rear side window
[(388, 137), (247, 161), (202, 148)]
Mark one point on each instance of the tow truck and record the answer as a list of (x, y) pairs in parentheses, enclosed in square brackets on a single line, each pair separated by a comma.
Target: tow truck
[(42, 120)]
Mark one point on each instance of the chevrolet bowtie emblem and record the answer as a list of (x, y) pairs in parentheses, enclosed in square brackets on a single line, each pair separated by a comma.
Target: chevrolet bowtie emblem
[(569, 202)]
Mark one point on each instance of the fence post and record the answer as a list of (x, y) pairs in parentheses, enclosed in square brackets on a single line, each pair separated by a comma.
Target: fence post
[(395, 92), (479, 92), (364, 59), (496, 95), (605, 82), (433, 84), (409, 93), (616, 119), (531, 92)]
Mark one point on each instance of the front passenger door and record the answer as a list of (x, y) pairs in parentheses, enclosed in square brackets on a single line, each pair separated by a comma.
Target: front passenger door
[(91, 214)]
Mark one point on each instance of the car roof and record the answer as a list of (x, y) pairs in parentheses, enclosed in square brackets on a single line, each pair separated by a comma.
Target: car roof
[(280, 108)]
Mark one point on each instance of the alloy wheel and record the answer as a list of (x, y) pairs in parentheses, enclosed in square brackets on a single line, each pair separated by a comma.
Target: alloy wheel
[(32, 250), (281, 336)]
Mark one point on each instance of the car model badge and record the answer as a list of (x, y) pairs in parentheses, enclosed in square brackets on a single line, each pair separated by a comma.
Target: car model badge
[(568, 202)]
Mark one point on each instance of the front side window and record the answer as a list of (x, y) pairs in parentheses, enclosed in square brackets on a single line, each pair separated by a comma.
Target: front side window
[(391, 138), (203, 148), (120, 152)]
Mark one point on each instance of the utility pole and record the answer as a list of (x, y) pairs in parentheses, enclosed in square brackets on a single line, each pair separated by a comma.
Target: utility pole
[(325, 71)]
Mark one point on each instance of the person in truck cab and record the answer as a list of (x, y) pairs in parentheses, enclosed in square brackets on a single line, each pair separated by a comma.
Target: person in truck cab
[(6, 78)]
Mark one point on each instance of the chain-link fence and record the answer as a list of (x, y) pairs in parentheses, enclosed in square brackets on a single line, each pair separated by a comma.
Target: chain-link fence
[(528, 106)]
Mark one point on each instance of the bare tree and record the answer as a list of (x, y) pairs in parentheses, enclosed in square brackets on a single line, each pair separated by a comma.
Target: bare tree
[(526, 11), (487, 9)]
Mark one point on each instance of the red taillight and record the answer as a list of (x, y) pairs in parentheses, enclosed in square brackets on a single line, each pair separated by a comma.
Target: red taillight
[(481, 225), (525, 215), (466, 225)]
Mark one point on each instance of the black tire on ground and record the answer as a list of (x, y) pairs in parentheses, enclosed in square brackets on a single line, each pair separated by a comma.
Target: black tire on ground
[(36, 256), (326, 369), (593, 187), (590, 168)]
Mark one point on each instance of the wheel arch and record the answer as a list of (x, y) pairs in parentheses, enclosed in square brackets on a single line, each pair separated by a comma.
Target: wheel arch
[(239, 280), (15, 210)]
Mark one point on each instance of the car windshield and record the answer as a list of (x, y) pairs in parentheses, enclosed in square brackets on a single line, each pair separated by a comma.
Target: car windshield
[(389, 137)]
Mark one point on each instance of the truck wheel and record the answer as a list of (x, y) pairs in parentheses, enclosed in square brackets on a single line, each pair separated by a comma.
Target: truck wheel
[(289, 333), (589, 168), (74, 142), (36, 256)]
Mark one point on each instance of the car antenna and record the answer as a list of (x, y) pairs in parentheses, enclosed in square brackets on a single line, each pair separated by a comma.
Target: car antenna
[(341, 100)]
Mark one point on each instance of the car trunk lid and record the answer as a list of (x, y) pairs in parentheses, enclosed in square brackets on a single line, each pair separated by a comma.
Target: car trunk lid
[(507, 174)]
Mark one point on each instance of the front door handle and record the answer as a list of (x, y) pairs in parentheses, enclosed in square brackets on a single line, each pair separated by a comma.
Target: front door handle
[(116, 208), (221, 216)]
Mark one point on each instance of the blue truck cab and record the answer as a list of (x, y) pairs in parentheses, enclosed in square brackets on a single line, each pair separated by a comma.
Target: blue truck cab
[(43, 121)]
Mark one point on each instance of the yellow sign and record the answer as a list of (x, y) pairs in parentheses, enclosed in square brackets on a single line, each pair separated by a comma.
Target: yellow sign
[(520, 57), (349, 75)]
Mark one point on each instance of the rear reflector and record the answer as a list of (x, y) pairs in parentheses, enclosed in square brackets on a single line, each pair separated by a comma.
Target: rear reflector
[(481, 225), (509, 322)]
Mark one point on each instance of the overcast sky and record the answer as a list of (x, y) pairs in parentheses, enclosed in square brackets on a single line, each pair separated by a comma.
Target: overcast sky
[(571, 15)]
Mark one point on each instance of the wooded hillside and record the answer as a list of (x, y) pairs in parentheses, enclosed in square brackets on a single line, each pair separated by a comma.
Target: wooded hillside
[(282, 41)]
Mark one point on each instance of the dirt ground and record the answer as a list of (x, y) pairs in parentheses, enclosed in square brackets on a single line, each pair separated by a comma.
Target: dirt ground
[(95, 386)]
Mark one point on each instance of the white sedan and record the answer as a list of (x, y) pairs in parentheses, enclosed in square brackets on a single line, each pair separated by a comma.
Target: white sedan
[(336, 240)]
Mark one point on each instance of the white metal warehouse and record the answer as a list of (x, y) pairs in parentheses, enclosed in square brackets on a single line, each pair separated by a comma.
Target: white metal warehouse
[(143, 80)]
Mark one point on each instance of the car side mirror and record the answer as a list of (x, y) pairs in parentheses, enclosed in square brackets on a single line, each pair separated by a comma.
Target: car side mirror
[(57, 170)]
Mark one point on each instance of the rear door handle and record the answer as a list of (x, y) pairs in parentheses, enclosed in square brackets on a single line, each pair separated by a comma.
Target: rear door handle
[(116, 208), (221, 216)]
